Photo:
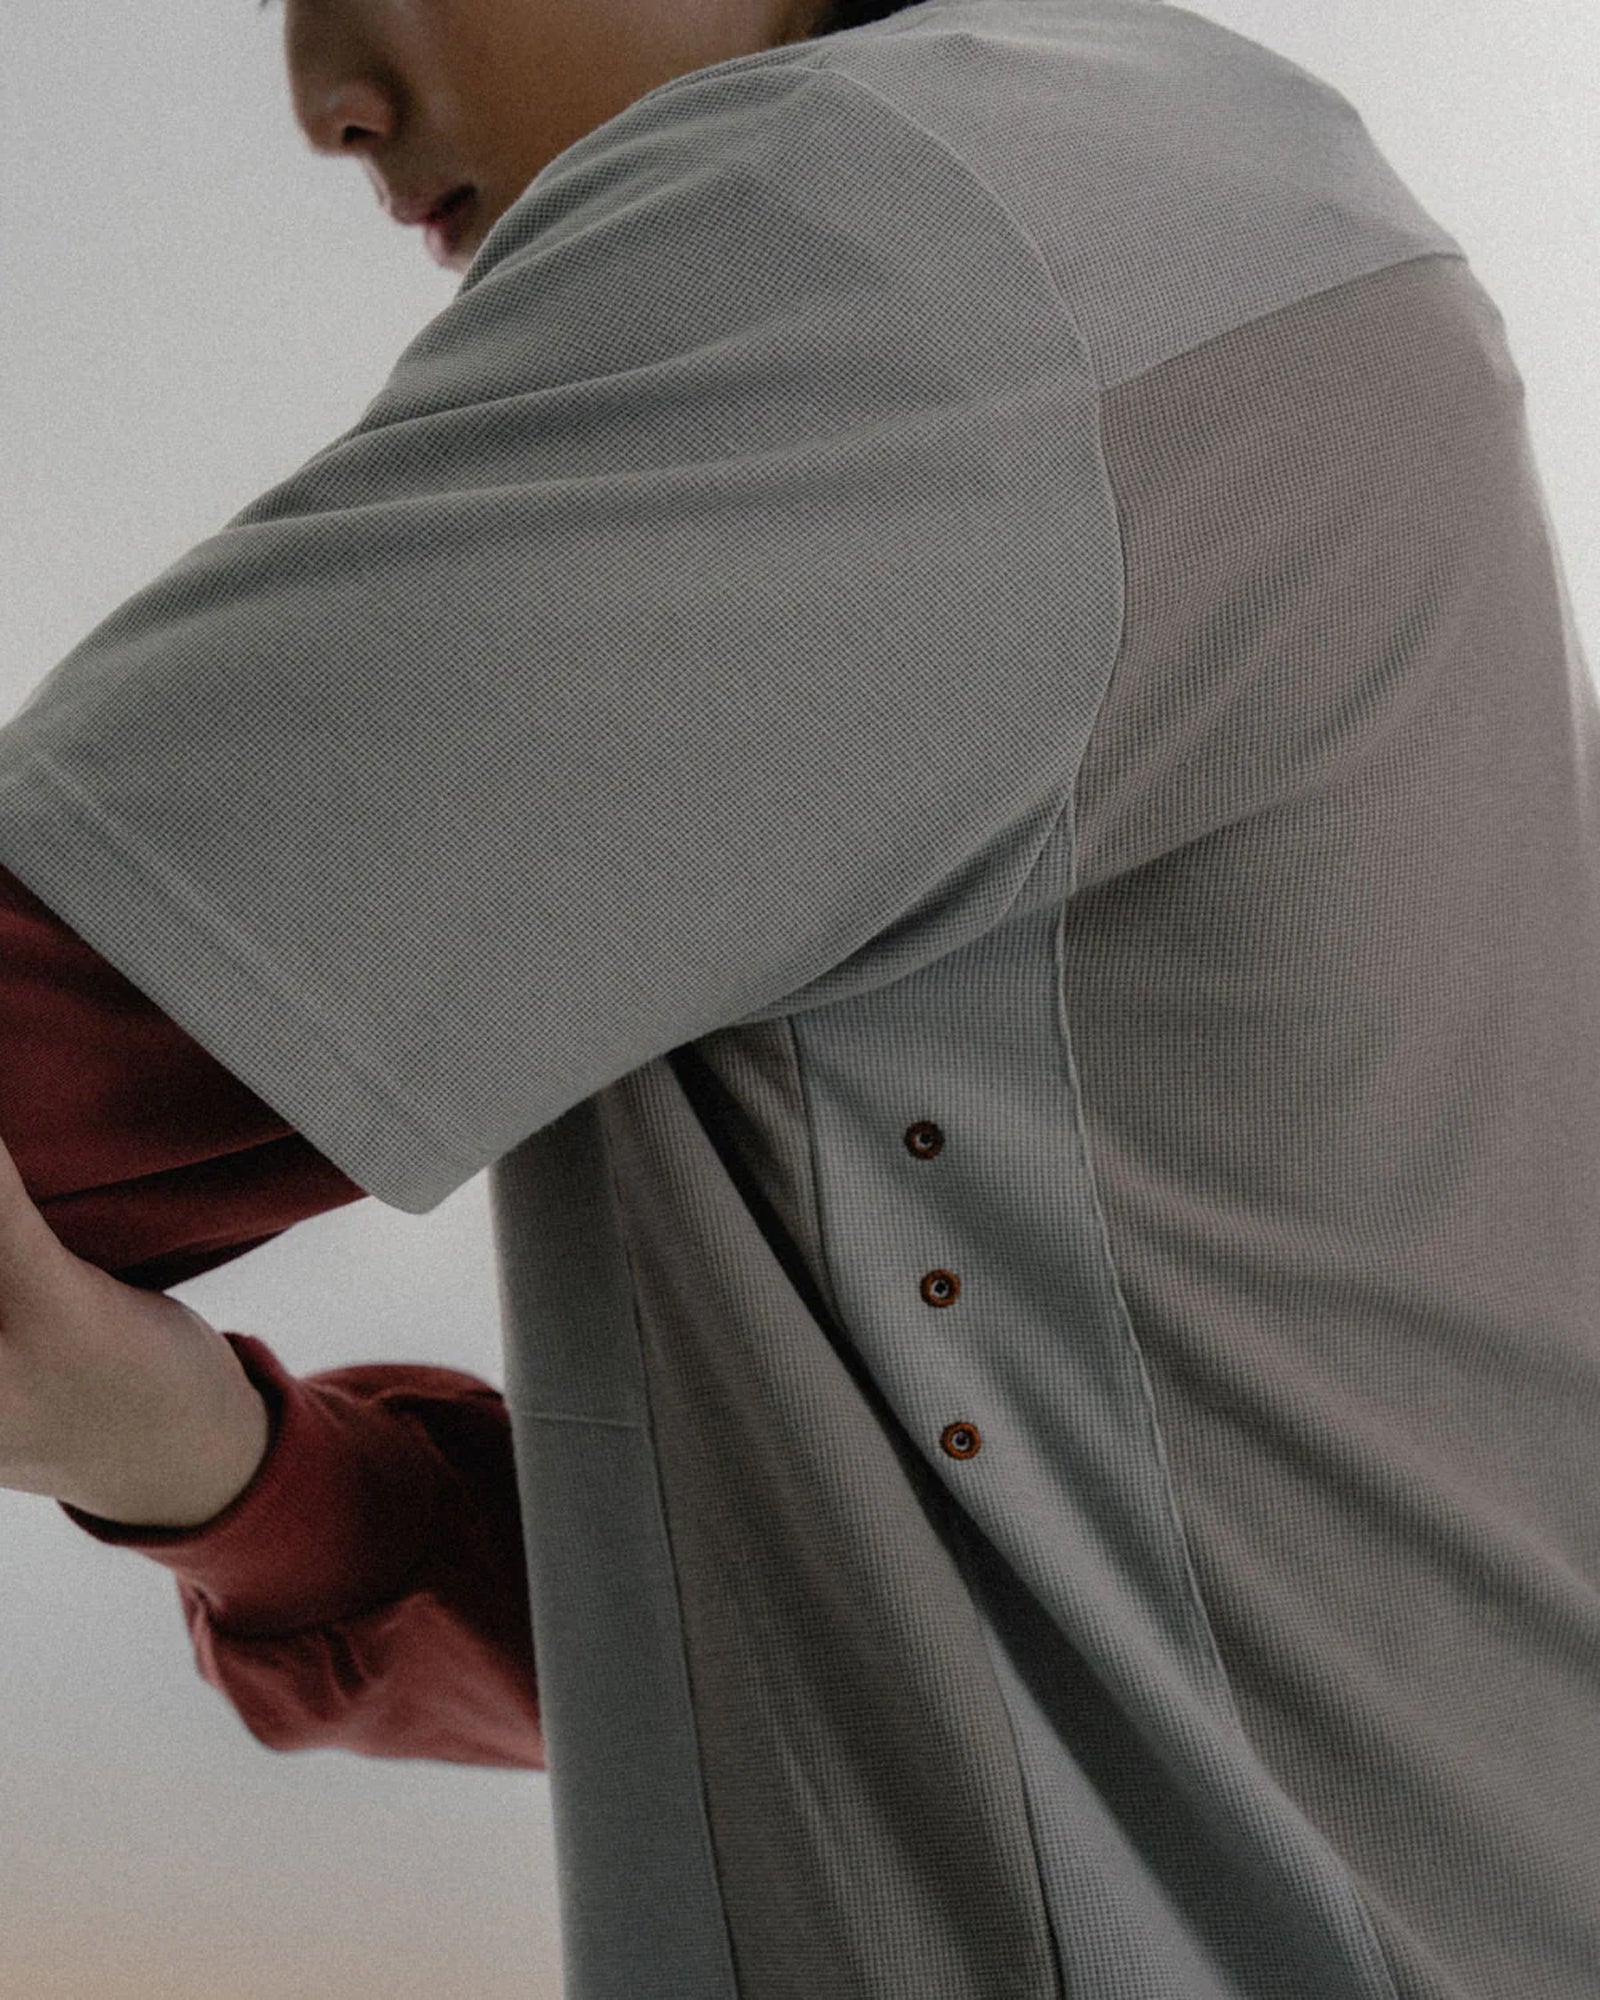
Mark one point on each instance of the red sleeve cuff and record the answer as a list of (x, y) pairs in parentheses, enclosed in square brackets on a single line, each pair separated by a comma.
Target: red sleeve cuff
[(340, 1518)]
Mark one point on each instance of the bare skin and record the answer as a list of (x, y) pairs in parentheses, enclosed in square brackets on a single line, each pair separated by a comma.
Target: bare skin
[(431, 94)]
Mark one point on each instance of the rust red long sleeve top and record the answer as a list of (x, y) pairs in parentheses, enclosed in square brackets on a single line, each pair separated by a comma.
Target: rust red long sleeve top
[(367, 1590)]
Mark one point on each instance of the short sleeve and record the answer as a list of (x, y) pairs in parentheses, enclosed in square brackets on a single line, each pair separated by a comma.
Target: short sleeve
[(711, 592)]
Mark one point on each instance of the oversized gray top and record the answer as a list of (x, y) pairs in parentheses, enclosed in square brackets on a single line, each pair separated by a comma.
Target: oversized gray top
[(939, 718)]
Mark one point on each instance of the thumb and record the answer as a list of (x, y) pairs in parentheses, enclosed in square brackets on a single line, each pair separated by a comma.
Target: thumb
[(29, 1247)]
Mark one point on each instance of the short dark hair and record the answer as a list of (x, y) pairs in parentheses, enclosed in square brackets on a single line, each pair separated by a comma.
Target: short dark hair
[(856, 14)]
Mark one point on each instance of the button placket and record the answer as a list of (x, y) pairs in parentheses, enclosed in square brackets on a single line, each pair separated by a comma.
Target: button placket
[(925, 1141)]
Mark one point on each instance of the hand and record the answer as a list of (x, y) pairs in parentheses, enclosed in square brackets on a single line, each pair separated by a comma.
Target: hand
[(119, 1401)]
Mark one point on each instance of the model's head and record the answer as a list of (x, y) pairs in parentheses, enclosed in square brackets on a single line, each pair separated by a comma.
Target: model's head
[(436, 95)]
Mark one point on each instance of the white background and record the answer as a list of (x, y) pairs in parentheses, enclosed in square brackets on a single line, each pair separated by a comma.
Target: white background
[(193, 303)]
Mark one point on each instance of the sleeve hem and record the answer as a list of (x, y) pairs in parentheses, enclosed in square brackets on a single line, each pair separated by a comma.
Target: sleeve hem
[(66, 851)]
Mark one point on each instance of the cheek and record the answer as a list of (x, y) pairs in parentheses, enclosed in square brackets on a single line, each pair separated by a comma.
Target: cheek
[(484, 98)]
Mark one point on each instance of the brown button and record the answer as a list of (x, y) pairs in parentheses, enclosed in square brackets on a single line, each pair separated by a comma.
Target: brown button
[(941, 1288), (962, 1440), (924, 1141)]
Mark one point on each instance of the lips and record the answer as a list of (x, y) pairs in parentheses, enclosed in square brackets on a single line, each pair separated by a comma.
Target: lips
[(446, 208), (450, 223), (426, 208)]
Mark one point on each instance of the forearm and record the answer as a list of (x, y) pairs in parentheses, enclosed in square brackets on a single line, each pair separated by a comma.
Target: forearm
[(114, 1398), (191, 1443), (369, 1590)]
